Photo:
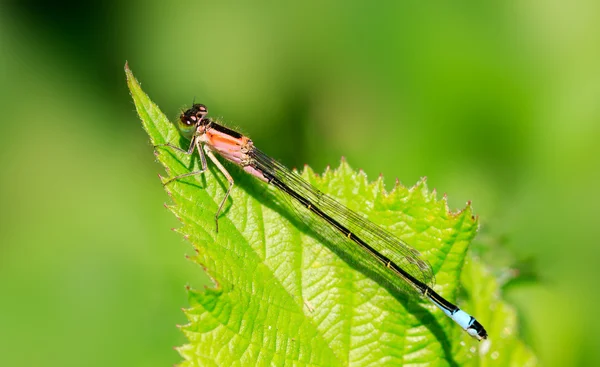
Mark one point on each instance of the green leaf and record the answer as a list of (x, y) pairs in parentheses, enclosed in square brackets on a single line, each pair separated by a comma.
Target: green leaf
[(281, 297)]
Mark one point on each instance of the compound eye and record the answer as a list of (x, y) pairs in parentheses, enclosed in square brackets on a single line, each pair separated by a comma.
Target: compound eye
[(187, 120)]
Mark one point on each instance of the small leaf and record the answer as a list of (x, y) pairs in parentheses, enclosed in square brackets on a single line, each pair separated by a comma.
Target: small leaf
[(281, 297)]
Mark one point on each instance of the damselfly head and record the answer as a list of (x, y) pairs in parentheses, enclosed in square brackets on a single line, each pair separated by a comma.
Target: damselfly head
[(191, 118), (193, 115)]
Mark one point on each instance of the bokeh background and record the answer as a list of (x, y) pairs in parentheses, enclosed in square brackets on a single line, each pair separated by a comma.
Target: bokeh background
[(495, 102)]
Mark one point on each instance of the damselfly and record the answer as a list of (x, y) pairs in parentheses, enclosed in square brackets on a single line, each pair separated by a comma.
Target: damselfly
[(387, 255)]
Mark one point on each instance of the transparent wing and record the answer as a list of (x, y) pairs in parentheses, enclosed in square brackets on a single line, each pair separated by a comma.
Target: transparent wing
[(406, 257)]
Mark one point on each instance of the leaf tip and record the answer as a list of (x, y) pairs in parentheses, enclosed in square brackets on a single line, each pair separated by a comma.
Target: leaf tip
[(420, 187), (469, 207), (308, 171), (131, 81)]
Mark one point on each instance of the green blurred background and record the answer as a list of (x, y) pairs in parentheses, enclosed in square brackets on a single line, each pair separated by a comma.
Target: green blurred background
[(495, 102)]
